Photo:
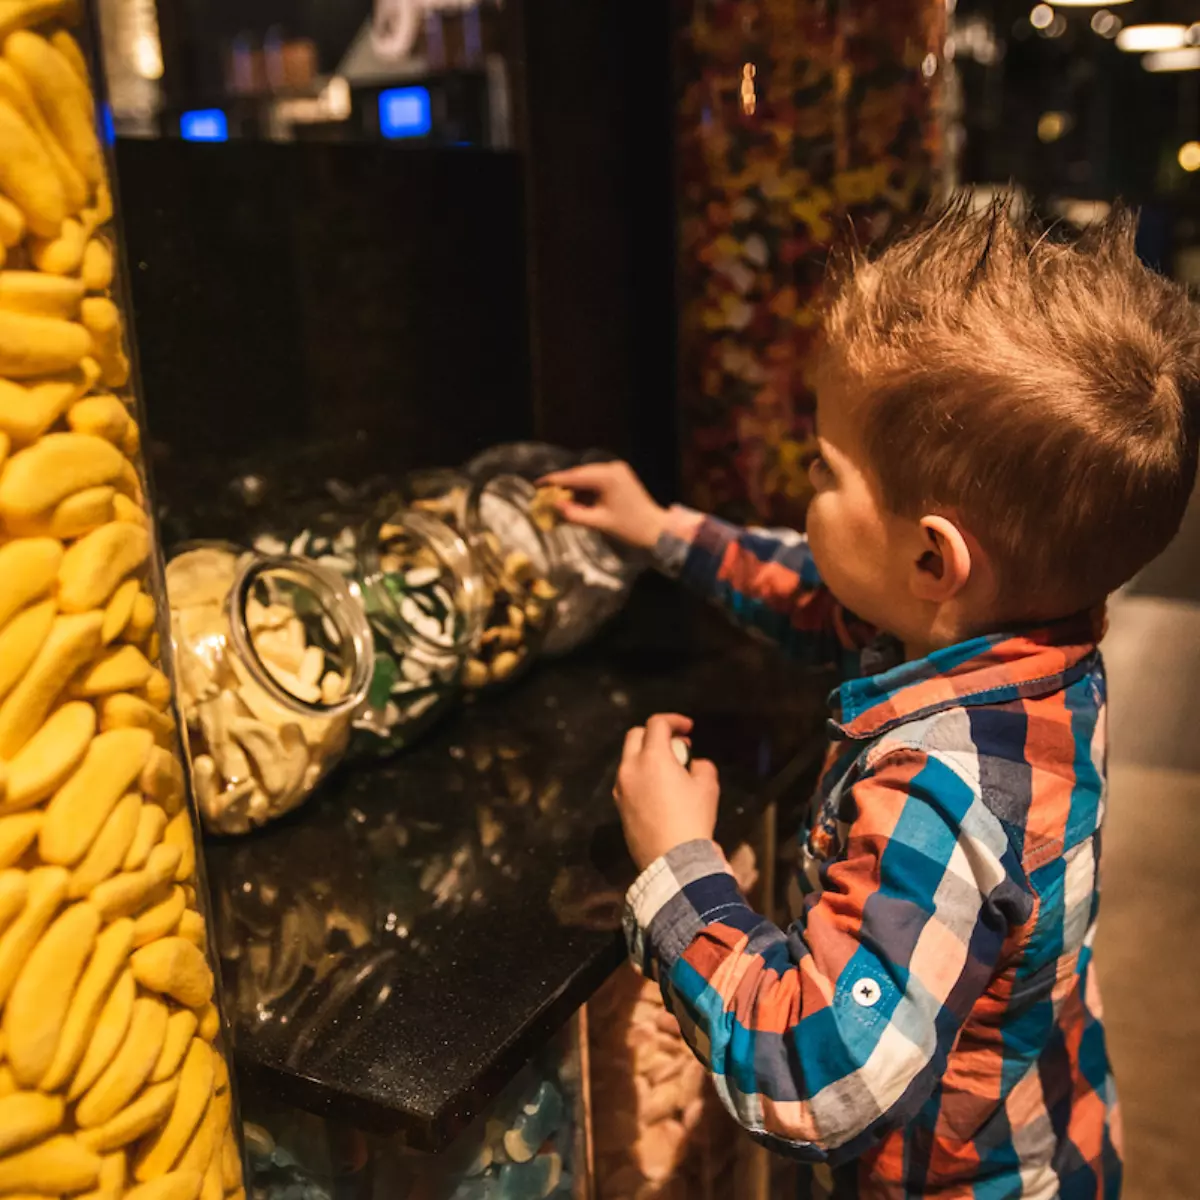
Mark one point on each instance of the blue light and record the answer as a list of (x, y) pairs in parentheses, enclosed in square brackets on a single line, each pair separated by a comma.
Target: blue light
[(405, 112), (110, 130), (204, 125)]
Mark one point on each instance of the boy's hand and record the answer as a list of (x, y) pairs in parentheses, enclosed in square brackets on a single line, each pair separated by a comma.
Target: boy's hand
[(620, 505), (662, 804)]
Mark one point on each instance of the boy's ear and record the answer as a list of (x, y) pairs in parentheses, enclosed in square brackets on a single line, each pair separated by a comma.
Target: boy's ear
[(943, 565)]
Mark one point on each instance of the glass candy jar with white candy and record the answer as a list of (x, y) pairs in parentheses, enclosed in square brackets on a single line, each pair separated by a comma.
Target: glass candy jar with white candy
[(273, 658), (517, 564), (595, 576), (425, 598)]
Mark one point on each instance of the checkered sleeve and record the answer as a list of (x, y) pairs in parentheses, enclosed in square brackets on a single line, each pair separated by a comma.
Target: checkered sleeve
[(765, 580), (823, 1038)]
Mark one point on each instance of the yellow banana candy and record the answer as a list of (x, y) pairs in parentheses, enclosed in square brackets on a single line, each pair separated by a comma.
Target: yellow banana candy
[(14, 889), (80, 807), (124, 711), (122, 1079), (119, 669), (108, 1036), (181, 1028), (103, 415), (93, 567), (21, 14), (16, 91), (47, 760), (28, 177), (118, 611), (47, 887), (28, 1117), (99, 979), (56, 1166), (28, 410), (72, 641), (191, 926), (28, 569), (163, 1151), (145, 1114), (131, 891), (12, 223), (41, 995), (108, 851), (97, 270), (20, 641), (58, 464), (176, 968), (16, 836), (112, 1175), (58, 92), (160, 920), (151, 823), (162, 781), (179, 833), (41, 294)]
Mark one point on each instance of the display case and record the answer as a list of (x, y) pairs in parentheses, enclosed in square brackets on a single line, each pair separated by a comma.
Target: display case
[(114, 1078)]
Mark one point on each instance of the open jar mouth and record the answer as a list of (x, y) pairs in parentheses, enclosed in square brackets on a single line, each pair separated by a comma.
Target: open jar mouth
[(419, 580), (332, 619), (500, 505)]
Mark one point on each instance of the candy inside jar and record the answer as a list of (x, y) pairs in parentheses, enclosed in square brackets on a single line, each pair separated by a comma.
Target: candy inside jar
[(518, 567), (273, 658), (424, 598), (593, 576)]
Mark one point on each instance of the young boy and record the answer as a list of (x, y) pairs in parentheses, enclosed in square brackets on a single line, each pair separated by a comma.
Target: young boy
[(1007, 432)]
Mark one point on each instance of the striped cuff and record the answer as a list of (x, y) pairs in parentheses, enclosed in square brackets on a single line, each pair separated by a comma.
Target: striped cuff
[(674, 898), (679, 531)]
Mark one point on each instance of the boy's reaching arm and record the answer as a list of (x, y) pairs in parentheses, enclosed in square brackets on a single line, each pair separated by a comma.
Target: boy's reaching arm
[(823, 1038), (764, 580)]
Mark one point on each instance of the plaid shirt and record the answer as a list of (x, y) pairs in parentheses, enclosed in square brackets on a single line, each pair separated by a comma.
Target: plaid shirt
[(929, 1025)]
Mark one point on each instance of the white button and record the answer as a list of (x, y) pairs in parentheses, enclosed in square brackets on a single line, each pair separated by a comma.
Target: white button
[(866, 992)]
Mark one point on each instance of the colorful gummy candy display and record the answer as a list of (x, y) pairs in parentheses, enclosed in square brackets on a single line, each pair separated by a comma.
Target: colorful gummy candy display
[(798, 121)]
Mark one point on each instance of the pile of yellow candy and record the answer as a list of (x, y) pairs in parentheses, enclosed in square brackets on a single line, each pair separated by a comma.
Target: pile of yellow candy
[(113, 1082)]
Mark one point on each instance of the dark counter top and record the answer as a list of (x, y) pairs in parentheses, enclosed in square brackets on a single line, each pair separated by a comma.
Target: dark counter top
[(394, 952)]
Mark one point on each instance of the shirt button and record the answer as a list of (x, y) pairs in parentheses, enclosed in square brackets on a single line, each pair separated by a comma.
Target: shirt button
[(866, 992)]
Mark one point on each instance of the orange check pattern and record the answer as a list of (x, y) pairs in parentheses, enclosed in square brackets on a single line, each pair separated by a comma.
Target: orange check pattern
[(929, 1024)]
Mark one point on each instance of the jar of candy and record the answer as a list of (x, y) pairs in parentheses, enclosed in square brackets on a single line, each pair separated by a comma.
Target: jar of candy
[(517, 563), (425, 598), (274, 656), (595, 576)]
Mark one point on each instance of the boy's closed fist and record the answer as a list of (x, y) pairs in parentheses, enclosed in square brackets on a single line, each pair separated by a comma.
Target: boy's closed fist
[(620, 505), (663, 804)]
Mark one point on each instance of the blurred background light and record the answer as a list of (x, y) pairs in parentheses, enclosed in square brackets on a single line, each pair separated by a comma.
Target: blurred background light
[(1134, 39)]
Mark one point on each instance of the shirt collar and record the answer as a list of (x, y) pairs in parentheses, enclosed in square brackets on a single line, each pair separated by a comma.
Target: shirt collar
[(991, 669)]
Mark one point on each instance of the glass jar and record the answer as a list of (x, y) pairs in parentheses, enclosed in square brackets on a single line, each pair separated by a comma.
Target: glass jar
[(115, 1074), (517, 565), (425, 599), (273, 656), (422, 592), (595, 575)]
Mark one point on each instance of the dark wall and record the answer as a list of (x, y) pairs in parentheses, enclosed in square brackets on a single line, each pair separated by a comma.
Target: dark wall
[(344, 308), (598, 96)]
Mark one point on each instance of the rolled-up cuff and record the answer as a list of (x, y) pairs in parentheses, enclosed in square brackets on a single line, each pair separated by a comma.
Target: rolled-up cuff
[(674, 898), (679, 531)]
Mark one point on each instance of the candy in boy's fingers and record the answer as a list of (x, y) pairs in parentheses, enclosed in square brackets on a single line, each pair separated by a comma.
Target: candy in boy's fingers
[(682, 750)]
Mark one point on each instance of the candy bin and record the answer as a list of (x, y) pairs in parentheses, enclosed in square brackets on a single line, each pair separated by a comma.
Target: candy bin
[(274, 657), (520, 571), (595, 576), (114, 1079)]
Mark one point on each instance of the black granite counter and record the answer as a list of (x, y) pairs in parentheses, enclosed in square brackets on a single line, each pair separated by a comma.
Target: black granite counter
[(395, 951)]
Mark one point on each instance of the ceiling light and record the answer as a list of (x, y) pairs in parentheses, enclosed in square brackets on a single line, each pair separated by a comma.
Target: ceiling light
[(1052, 125), (1042, 16), (1187, 59), (1085, 3), (1189, 156), (1106, 24), (1136, 38)]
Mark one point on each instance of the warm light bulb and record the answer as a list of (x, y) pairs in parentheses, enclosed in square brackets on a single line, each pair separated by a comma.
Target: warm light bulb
[(1041, 16), (1189, 156), (1106, 24), (1085, 3), (1134, 39), (1187, 59)]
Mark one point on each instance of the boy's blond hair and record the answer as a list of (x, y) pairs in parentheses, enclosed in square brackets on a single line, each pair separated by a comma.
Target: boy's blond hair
[(1046, 392)]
